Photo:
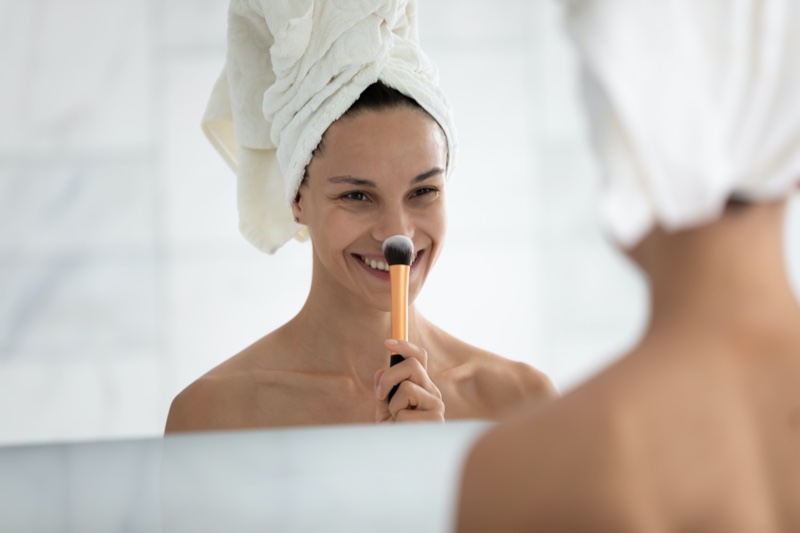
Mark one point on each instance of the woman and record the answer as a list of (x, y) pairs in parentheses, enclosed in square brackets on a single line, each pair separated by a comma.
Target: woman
[(360, 163), (695, 110)]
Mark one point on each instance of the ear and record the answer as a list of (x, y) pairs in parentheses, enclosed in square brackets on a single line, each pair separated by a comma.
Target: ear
[(297, 207)]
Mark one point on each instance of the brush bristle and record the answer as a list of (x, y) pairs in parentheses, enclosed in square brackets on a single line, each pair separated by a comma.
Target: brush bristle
[(398, 250)]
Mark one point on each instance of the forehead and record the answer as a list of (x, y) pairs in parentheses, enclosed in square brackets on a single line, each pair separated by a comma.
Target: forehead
[(371, 144)]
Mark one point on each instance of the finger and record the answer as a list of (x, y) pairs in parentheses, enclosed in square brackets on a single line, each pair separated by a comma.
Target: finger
[(382, 413), (408, 370), (412, 402), (378, 375), (407, 349), (406, 416)]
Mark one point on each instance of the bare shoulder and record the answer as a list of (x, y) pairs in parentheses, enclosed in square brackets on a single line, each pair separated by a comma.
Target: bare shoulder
[(233, 395), (580, 450), (210, 402), (532, 471), (529, 379), (495, 383), (505, 379), (624, 429)]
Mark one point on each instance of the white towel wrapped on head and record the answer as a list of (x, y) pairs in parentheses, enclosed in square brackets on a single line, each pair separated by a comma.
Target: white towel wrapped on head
[(691, 103), (293, 68)]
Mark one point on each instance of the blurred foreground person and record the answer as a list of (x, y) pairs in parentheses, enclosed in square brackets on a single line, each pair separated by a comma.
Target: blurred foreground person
[(695, 115)]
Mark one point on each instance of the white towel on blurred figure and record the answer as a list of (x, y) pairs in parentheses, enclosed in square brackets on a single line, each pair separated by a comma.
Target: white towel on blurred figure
[(691, 102), (293, 68)]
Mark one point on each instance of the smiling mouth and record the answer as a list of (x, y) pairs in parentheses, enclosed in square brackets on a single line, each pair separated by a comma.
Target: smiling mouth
[(380, 265)]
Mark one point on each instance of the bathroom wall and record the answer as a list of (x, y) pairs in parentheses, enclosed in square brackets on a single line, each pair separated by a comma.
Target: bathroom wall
[(123, 276)]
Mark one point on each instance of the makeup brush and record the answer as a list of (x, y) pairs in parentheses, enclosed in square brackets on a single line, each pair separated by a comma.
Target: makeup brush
[(399, 252)]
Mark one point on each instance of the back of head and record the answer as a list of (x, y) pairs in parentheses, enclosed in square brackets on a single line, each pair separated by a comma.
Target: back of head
[(691, 103), (694, 109)]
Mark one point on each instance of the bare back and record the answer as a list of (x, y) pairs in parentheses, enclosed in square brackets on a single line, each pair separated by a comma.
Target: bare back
[(694, 441)]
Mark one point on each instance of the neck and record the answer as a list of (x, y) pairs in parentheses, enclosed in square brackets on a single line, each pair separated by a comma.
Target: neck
[(727, 277), (336, 333)]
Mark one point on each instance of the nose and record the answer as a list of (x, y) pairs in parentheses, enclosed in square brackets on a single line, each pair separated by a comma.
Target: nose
[(392, 220)]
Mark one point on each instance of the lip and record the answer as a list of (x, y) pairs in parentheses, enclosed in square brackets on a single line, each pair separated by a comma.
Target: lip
[(382, 274)]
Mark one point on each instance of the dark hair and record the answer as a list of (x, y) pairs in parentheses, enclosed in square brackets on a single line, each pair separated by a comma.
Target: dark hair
[(380, 96), (737, 202), (376, 97)]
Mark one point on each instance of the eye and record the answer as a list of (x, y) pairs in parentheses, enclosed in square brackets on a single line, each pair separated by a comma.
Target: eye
[(424, 191), (356, 196)]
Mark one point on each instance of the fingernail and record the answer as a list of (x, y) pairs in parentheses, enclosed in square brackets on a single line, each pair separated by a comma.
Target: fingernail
[(392, 342), (378, 392)]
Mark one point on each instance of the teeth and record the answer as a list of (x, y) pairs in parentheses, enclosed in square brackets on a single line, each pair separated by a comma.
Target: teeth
[(380, 265), (377, 265)]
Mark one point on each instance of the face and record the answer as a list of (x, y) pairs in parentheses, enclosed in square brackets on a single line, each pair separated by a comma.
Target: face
[(379, 173)]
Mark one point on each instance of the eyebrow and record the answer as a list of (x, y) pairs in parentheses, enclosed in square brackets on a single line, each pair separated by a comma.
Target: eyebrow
[(361, 182)]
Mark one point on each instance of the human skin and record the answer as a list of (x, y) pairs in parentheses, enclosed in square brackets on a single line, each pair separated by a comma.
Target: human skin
[(696, 429), (378, 173)]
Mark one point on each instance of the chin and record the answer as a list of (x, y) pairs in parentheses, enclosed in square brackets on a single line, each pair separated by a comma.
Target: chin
[(383, 305)]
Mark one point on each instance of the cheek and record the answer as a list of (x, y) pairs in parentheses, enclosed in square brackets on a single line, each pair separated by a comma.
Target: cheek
[(435, 226), (439, 221), (332, 229), (443, 224)]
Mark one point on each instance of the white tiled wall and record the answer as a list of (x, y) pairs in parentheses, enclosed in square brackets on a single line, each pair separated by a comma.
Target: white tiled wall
[(122, 273)]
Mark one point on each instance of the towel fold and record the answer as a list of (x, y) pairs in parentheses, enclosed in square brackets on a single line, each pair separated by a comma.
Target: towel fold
[(294, 67), (691, 103)]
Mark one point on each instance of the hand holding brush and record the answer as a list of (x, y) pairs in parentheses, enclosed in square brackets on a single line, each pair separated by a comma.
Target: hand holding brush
[(420, 400)]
